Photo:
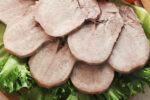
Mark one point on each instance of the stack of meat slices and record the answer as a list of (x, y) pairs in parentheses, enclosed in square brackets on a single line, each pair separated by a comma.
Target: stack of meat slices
[(84, 40)]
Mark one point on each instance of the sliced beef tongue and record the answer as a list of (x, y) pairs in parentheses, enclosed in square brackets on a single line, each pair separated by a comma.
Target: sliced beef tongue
[(50, 67), (90, 8), (92, 78), (132, 48), (93, 43), (13, 9), (59, 17), (23, 37)]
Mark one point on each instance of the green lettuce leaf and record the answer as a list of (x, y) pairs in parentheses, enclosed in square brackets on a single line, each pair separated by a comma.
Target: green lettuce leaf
[(80, 96), (36, 93), (56, 93), (63, 92), (2, 30), (144, 17), (14, 75)]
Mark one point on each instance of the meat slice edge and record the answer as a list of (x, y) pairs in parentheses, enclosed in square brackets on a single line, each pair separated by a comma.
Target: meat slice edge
[(92, 78), (93, 43), (40, 62), (59, 17), (54, 67), (12, 9), (132, 49), (24, 37), (90, 9)]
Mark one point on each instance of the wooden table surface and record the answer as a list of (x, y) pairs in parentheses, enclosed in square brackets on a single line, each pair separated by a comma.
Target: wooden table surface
[(146, 4), (6, 96), (143, 96)]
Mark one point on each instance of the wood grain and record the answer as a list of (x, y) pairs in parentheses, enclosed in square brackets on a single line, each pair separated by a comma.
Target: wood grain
[(6, 96), (146, 4)]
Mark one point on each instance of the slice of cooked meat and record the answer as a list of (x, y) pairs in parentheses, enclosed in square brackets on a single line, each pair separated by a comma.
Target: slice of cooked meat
[(51, 68), (93, 43), (59, 17), (24, 37), (132, 48), (92, 78), (13, 9), (90, 8)]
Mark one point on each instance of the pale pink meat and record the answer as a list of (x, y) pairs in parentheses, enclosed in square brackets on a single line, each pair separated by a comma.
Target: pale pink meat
[(24, 37), (90, 9), (132, 48), (50, 67), (91, 78), (12, 9), (93, 43)]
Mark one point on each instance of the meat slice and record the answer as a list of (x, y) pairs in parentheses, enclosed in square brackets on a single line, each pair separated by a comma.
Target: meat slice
[(92, 78), (90, 8), (59, 17), (132, 48), (24, 36), (51, 68), (13, 9), (93, 43)]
